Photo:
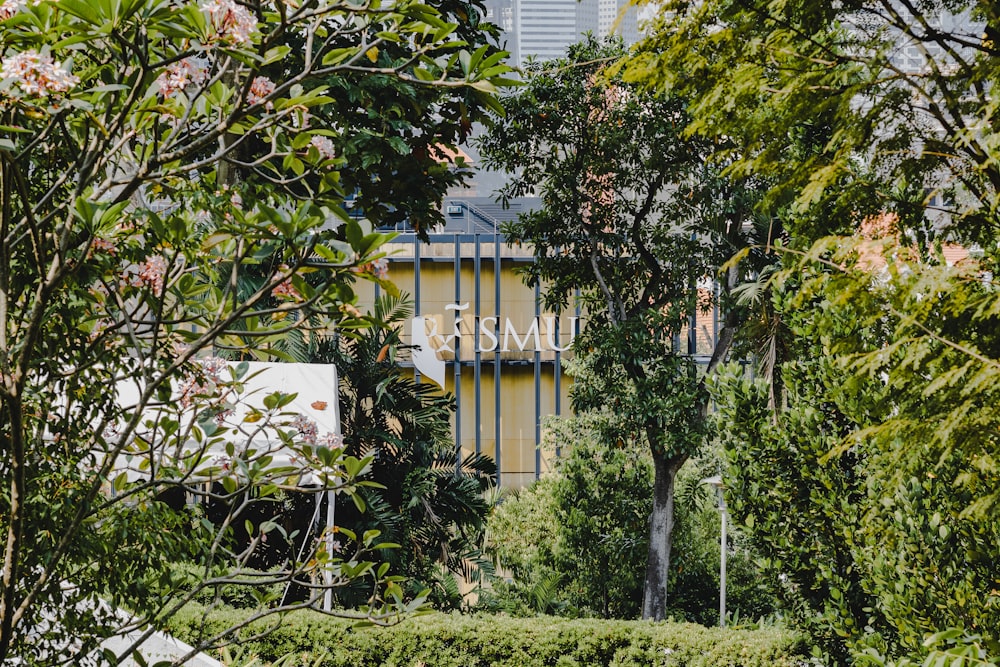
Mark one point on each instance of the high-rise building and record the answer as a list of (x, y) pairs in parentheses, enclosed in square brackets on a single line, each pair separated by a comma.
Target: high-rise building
[(618, 17), (544, 29)]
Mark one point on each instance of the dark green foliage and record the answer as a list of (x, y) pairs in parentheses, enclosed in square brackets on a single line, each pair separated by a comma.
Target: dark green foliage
[(632, 218), (871, 480), (858, 491), (575, 543), (522, 533), (603, 496), (138, 178), (799, 509), (434, 510), (396, 137), (694, 581), (821, 100), (440, 640)]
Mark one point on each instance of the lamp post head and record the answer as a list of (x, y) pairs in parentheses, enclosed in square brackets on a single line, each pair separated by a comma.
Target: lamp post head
[(715, 481)]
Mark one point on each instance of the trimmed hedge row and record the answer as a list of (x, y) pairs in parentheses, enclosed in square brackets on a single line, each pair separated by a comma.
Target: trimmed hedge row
[(453, 640)]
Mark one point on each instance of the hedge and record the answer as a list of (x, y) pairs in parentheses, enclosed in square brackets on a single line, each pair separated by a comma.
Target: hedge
[(454, 640)]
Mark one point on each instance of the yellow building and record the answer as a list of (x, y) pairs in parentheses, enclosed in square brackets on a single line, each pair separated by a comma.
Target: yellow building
[(483, 336), (484, 339)]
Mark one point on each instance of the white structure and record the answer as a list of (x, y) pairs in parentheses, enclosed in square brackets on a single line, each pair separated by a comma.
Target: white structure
[(158, 647), (315, 389)]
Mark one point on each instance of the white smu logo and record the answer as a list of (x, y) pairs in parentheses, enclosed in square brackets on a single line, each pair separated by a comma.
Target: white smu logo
[(428, 361)]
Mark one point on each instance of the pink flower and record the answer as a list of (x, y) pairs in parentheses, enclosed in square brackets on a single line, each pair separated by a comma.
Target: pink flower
[(380, 268), (222, 415), (204, 383), (213, 367), (11, 7), (103, 246), (306, 427), (324, 146), (259, 90), (285, 289), (231, 21), (151, 273), (179, 75), (36, 73), (330, 440)]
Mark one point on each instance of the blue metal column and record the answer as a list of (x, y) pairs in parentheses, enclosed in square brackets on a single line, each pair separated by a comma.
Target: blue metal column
[(557, 370), (458, 356), (478, 355), (538, 388), (416, 289), (496, 356)]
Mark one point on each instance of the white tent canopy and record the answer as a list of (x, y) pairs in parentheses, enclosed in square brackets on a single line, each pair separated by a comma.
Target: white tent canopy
[(314, 405)]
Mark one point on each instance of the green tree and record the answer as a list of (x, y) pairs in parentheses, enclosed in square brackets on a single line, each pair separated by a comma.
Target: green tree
[(574, 543), (603, 498), (124, 232), (633, 218), (875, 121), (431, 506), (848, 109), (521, 533), (395, 133), (843, 445)]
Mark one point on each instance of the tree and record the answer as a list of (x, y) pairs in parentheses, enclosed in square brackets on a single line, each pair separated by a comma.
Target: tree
[(148, 161), (434, 508), (633, 218), (575, 542), (849, 109), (843, 445), (874, 122)]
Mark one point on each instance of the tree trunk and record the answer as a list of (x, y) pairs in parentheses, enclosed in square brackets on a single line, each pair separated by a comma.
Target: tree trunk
[(661, 528)]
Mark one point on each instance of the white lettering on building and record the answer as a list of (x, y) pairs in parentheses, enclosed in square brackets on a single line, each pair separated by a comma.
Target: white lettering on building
[(430, 343)]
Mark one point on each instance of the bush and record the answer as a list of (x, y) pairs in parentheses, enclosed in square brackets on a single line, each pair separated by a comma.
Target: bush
[(452, 640), (250, 595), (576, 541)]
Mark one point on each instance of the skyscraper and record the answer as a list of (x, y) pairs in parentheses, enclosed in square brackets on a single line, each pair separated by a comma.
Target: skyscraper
[(544, 29), (618, 17)]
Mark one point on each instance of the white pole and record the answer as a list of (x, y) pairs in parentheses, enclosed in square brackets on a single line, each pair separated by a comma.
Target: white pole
[(331, 509), (331, 501)]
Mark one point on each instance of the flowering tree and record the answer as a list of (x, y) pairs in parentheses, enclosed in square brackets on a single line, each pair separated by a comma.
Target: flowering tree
[(152, 153)]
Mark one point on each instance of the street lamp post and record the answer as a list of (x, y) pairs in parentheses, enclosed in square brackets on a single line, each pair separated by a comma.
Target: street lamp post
[(719, 486)]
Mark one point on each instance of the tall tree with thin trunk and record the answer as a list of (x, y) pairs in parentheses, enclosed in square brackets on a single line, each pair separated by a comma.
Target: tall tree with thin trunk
[(634, 220)]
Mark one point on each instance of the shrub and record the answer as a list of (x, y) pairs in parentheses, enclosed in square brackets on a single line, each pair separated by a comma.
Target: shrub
[(453, 640)]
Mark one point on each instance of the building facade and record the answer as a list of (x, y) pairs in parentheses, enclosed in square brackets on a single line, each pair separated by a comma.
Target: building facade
[(483, 336), (544, 29)]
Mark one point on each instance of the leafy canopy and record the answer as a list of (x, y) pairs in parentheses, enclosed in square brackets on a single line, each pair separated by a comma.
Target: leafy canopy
[(153, 153)]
